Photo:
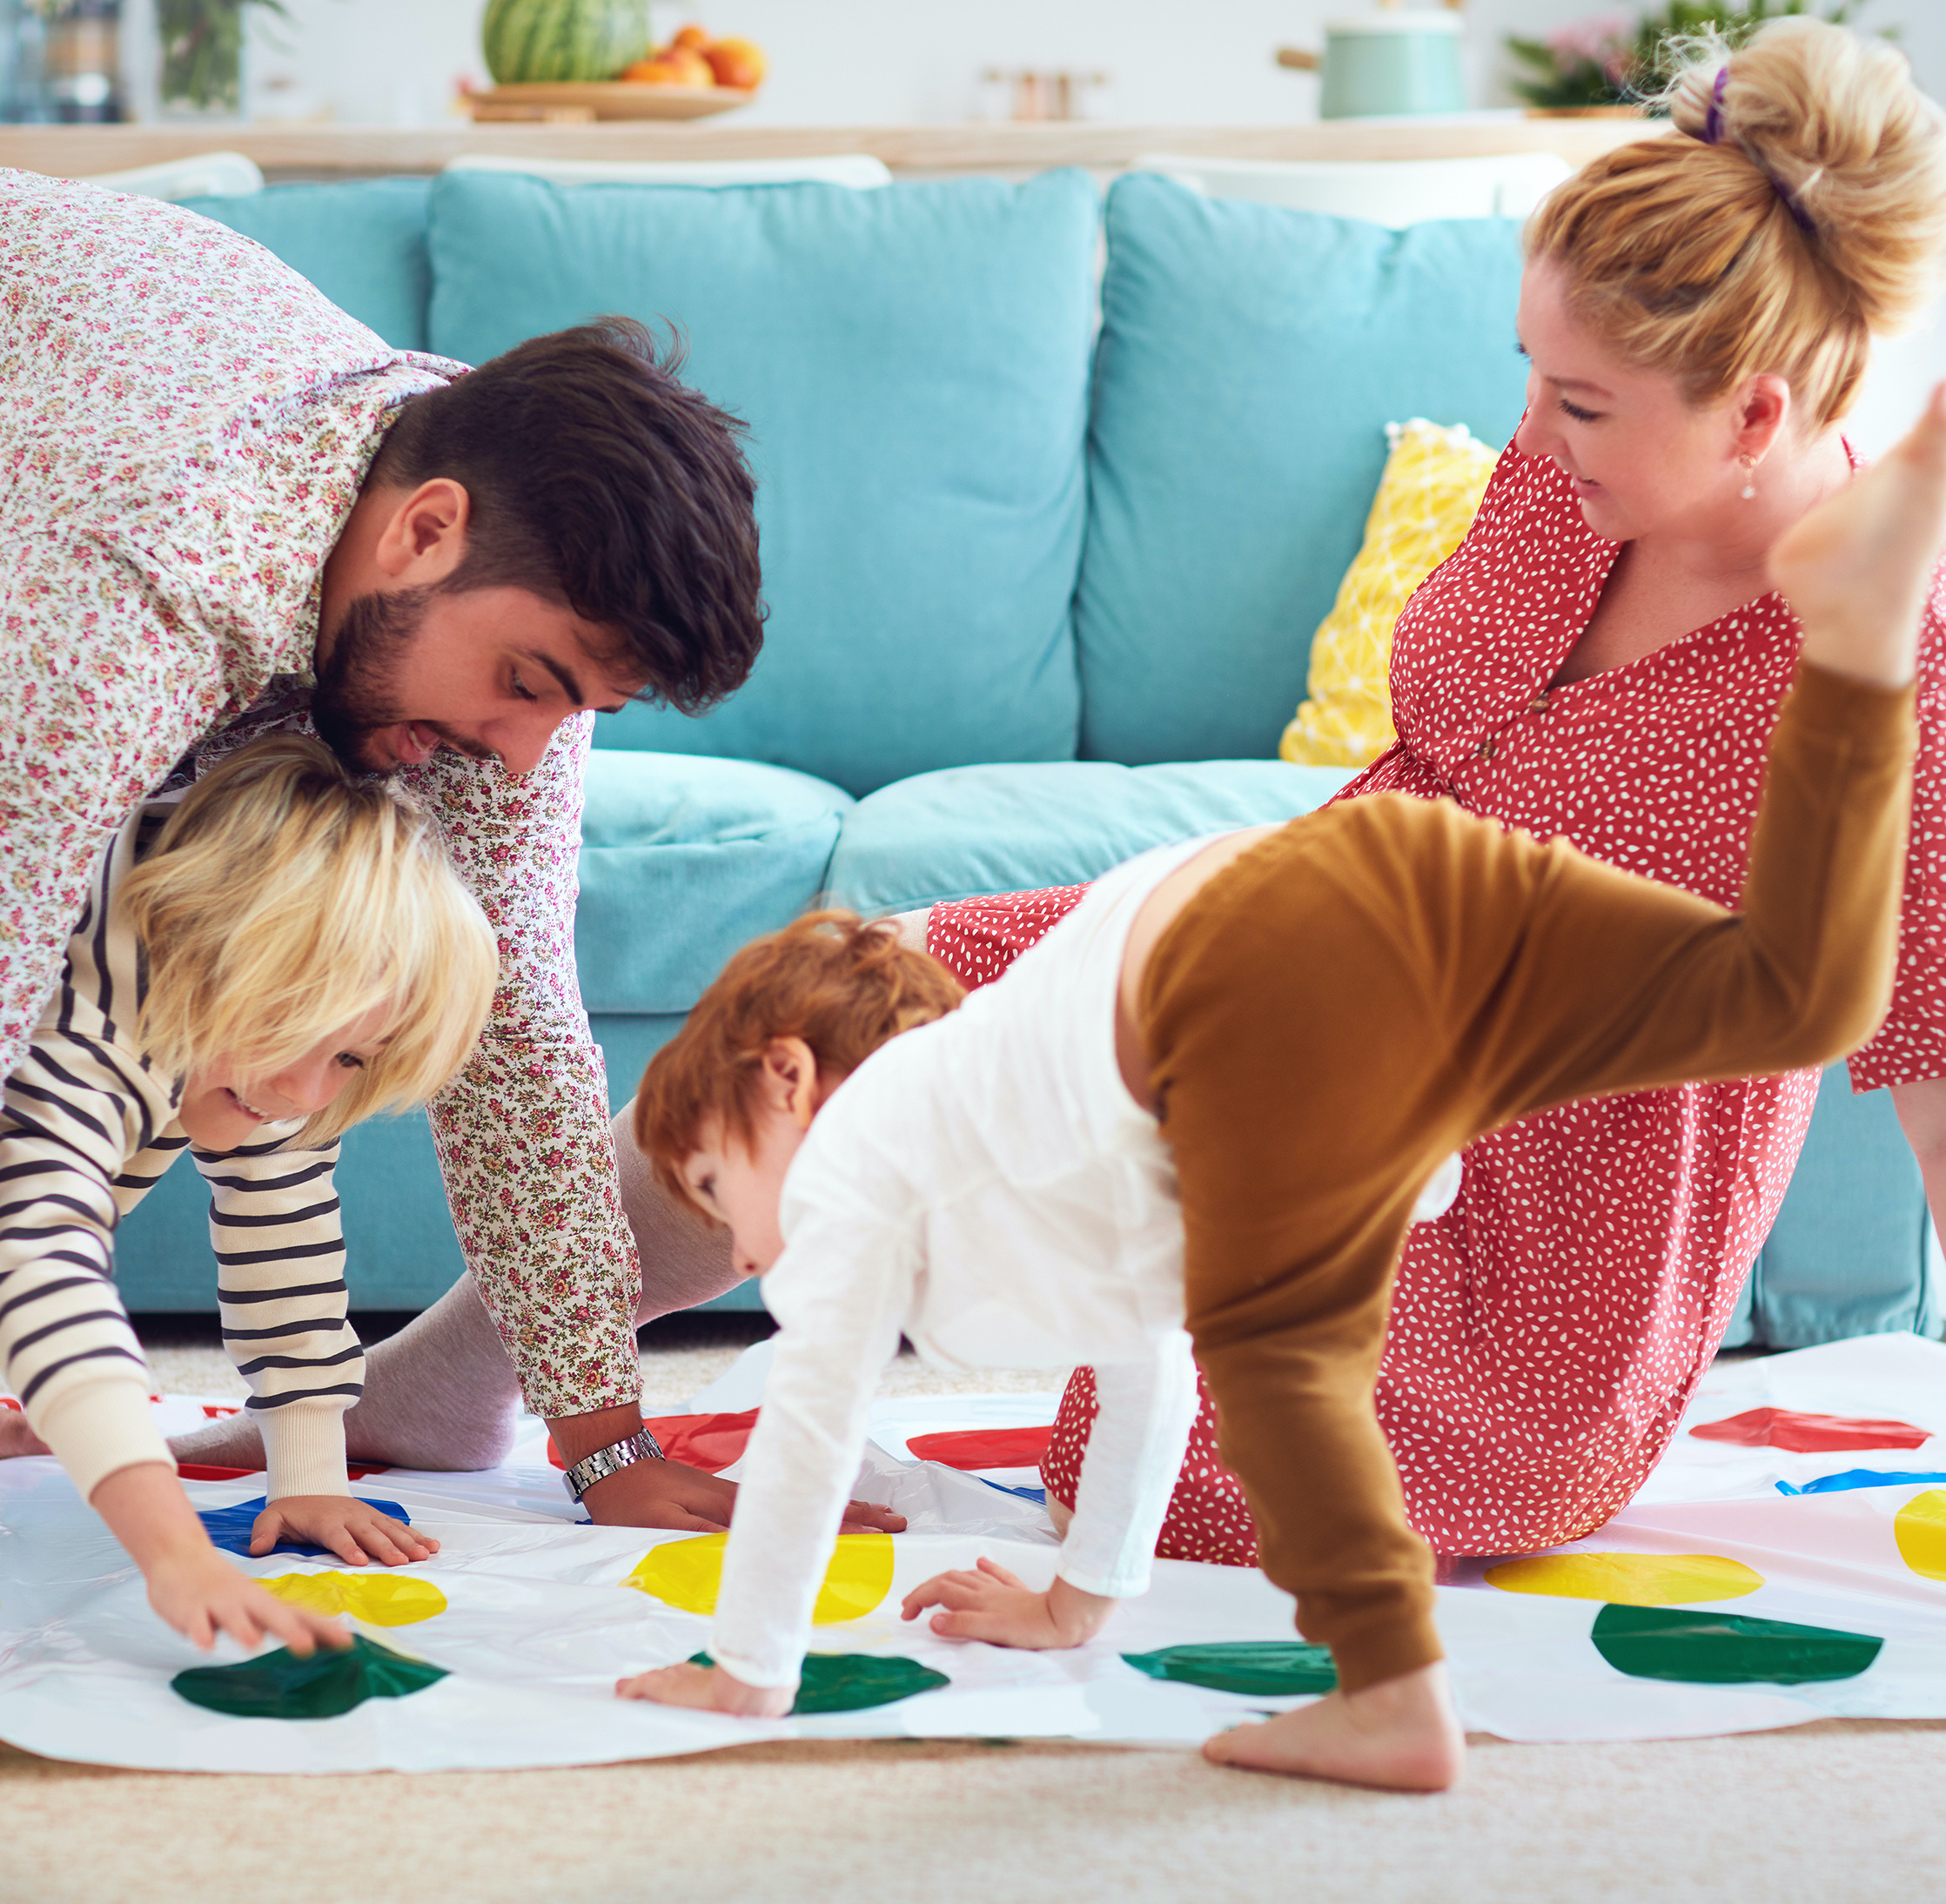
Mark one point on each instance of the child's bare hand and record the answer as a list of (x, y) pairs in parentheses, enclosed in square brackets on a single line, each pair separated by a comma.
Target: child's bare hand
[(993, 1604), (1857, 568), (354, 1529), (200, 1594), (707, 1689)]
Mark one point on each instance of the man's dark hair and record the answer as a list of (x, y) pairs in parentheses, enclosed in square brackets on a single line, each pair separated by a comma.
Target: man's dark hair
[(598, 481)]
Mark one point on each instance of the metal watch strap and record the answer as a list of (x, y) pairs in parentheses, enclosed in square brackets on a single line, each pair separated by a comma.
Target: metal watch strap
[(639, 1447)]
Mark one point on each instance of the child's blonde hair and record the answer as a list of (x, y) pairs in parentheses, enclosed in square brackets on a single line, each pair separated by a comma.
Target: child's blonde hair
[(1803, 213), (283, 900), (841, 985)]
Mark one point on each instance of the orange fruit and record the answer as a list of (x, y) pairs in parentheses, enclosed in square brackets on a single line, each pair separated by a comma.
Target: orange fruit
[(689, 66), (737, 62)]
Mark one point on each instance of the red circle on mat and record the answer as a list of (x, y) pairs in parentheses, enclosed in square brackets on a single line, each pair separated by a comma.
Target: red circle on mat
[(983, 1447), (1810, 1434)]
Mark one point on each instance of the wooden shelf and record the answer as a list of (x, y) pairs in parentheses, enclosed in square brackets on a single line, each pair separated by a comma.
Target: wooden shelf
[(325, 151)]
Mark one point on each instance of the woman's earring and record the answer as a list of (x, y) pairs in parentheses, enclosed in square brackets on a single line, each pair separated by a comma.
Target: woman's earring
[(1749, 464)]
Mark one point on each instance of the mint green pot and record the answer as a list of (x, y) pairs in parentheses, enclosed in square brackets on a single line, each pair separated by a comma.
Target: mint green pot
[(1392, 64)]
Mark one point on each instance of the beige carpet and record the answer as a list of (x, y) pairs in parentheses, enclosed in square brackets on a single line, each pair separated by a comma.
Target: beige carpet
[(1840, 1811)]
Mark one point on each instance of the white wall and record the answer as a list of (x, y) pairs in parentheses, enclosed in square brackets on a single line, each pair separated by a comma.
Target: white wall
[(910, 62)]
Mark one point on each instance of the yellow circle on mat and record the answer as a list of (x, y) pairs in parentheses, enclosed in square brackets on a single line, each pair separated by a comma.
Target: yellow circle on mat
[(379, 1599), (1920, 1529), (1628, 1579), (686, 1573)]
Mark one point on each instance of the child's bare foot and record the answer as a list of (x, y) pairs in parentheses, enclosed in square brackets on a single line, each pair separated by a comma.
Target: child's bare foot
[(1858, 568), (16, 1437), (1402, 1734)]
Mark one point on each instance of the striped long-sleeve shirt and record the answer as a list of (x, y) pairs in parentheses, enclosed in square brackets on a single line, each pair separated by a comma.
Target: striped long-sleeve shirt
[(86, 1129)]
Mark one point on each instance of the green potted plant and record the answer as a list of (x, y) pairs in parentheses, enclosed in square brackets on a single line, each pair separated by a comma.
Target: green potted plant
[(202, 54), (1611, 61)]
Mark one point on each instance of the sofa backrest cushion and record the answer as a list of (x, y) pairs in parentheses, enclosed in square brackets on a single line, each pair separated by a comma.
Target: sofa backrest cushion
[(683, 860), (913, 365), (1249, 359), (362, 243)]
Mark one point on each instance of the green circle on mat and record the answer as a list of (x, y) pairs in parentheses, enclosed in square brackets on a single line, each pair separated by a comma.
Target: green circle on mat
[(281, 1685), (1727, 1649), (849, 1682), (1272, 1668)]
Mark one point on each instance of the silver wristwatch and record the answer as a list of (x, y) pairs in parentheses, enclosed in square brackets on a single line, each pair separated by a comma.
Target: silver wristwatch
[(612, 1459)]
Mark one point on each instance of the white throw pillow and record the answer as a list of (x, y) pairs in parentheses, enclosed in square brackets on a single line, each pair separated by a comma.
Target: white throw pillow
[(1397, 193)]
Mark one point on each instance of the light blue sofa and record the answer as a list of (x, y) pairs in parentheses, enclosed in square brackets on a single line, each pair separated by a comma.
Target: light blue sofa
[(1042, 595)]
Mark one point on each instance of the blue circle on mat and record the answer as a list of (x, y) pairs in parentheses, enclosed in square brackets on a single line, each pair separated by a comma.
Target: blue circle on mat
[(230, 1526), (1841, 1484)]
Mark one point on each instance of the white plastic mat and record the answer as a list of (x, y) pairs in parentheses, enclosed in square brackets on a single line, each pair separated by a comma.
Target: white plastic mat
[(537, 1621)]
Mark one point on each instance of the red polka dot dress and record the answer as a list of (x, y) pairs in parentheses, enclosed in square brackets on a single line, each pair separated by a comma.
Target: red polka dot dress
[(1548, 1332)]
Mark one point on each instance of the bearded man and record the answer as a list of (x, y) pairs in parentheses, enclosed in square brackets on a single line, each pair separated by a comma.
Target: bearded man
[(229, 507)]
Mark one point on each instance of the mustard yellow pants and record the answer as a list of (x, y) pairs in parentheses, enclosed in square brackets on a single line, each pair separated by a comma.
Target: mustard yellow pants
[(1382, 981)]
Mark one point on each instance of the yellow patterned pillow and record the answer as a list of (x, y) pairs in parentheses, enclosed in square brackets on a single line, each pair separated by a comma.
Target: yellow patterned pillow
[(1427, 498)]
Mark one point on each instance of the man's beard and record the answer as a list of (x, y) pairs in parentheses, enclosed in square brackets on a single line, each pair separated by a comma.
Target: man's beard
[(355, 696)]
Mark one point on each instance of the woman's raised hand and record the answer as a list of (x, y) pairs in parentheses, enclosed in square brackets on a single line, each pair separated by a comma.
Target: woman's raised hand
[(1858, 568)]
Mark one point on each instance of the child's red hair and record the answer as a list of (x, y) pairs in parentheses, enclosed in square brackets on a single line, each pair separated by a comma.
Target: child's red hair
[(841, 985)]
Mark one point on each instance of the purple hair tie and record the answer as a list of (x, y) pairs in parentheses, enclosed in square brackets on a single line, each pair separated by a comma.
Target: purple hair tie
[(1713, 126), (1713, 134)]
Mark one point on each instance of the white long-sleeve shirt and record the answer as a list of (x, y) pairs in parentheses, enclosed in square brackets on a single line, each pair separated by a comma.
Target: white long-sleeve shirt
[(86, 1129), (987, 1185)]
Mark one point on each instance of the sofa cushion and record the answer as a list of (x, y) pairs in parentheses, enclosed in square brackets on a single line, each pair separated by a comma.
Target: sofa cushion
[(683, 860), (1249, 359), (913, 364), (362, 243), (1853, 1251), (972, 830)]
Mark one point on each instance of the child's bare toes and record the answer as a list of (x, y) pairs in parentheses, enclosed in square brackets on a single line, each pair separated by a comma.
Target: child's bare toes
[(1401, 1735)]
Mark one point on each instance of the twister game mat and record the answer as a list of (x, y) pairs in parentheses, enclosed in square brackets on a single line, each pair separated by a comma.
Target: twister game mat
[(1786, 1562)]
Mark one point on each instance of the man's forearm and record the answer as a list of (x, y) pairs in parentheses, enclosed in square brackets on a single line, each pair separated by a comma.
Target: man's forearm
[(578, 1436)]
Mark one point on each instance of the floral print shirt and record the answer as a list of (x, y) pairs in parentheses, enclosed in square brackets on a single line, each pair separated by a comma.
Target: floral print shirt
[(185, 428)]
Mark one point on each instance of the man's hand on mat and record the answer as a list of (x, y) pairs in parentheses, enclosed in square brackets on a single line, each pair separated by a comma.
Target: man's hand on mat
[(667, 1494), (1857, 568), (354, 1529), (993, 1604), (707, 1689)]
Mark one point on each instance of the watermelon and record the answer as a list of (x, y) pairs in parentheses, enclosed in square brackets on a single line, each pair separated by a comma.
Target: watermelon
[(530, 40)]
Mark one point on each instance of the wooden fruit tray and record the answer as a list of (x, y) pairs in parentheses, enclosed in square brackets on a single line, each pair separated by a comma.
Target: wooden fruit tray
[(581, 101)]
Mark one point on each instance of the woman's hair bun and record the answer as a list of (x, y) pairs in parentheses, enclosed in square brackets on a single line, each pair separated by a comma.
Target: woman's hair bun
[(1836, 127), (1804, 213)]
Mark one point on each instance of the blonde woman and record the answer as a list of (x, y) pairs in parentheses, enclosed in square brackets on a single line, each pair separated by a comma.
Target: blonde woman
[(1604, 659), (263, 961)]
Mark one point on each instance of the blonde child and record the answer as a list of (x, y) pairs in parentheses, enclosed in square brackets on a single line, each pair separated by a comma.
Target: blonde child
[(262, 961), (1212, 1095)]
